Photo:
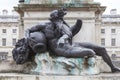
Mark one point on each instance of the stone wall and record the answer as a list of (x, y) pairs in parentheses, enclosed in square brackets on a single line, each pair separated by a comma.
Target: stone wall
[(12, 67), (14, 76)]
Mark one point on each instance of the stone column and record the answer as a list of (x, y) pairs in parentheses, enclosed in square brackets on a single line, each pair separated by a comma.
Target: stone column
[(21, 23), (98, 24)]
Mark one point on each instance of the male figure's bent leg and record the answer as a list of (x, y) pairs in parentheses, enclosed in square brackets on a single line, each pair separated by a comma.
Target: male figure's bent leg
[(101, 51), (75, 52)]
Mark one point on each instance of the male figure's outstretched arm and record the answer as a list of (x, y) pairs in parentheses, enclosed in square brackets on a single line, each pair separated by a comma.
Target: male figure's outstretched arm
[(76, 28)]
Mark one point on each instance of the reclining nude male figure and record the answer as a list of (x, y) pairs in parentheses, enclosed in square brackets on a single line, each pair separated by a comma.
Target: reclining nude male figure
[(59, 39)]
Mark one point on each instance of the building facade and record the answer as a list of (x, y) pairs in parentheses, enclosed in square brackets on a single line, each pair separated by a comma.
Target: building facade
[(110, 32), (9, 34)]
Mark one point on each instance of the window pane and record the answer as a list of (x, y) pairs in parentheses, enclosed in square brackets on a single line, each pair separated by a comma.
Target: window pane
[(103, 41), (14, 41), (103, 31), (3, 30), (14, 30), (113, 42), (113, 30), (4, 42), (3, 55)]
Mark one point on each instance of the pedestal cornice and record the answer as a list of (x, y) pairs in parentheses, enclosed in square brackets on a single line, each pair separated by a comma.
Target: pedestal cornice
[(45, 7)]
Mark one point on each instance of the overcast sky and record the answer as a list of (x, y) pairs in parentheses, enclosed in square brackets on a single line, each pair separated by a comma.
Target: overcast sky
[(111, 4), (7, 4)]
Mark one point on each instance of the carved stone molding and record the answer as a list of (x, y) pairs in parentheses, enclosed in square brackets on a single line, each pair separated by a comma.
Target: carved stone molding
[(45, 7)]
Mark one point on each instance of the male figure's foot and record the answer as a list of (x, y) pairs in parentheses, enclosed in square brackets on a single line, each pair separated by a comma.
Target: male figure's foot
[(114, 70)]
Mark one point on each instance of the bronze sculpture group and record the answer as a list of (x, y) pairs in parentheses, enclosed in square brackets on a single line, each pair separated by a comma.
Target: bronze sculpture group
[(55, 37)]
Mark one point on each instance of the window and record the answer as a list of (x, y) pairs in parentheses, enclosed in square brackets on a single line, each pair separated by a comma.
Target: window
[(103, 31), (113, 30), (113, 42), (103, 41), (3, 55), (3, 30), (3, 41), (14, 41), (14, 30)]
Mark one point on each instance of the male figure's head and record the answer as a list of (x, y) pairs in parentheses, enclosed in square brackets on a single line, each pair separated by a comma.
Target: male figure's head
[(58, 14), (62, 12)]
